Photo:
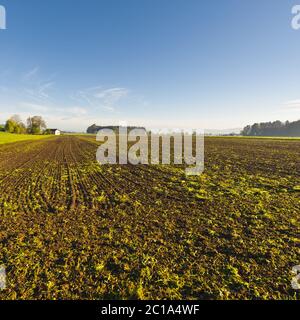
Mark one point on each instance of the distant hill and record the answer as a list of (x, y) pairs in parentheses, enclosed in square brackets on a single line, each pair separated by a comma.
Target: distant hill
[(221, 132), (93, 129), (273, 129)]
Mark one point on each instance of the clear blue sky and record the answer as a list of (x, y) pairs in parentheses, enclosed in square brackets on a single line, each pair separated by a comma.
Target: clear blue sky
[(163, 63)]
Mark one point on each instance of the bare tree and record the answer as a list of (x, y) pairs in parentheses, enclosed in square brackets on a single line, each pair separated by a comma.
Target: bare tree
[(16, 118), (36, 124)]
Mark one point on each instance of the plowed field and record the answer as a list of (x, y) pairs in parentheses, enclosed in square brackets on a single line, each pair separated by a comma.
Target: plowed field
[(70, 228)]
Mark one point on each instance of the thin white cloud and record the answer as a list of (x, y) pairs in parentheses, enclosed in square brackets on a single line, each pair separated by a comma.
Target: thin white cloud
[(36, 87), (31, 73), (113, 94), (36, 94), (293, 104), (47, 110), (34, 107), (76, 111), (40, 91), (99, 98)]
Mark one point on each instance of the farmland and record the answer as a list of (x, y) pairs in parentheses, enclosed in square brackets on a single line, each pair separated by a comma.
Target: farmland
[(72, 229), (10, 137)]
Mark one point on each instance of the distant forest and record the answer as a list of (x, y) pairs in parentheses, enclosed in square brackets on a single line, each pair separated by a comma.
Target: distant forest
[(273, 129), (93, 129)]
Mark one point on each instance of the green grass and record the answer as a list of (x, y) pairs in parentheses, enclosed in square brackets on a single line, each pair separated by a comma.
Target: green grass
[(10, 137)]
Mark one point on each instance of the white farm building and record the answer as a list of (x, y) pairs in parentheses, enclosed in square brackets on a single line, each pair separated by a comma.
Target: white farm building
[(55, 132)]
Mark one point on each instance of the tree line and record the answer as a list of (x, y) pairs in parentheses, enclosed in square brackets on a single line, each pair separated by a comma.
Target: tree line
[(273, 129), (93, 129), (34, 125)]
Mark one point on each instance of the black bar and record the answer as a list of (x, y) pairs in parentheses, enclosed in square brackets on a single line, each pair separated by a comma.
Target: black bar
[(141, 309)]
